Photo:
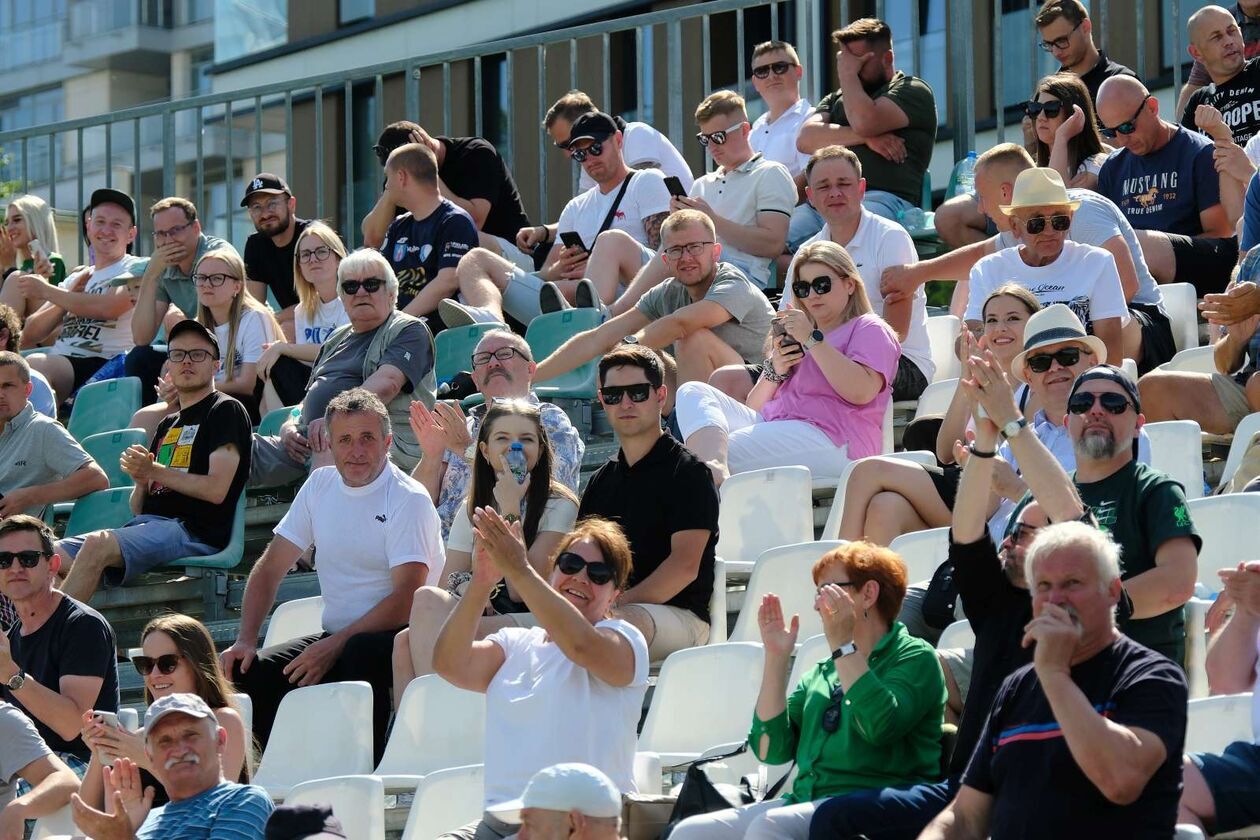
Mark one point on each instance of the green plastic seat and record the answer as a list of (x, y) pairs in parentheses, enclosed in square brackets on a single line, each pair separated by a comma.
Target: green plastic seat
[(229, 557), (454, 346), (273, 420), (102, 510), (545, 335), (106, 448), (104, 406)]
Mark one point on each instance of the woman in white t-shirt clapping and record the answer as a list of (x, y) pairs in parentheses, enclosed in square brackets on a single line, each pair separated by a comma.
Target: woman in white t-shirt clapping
[(285, 366), (570, 689)]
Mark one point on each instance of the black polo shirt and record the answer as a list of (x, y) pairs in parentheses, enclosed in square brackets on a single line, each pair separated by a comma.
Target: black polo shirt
[(666, 491), (1101, 72)]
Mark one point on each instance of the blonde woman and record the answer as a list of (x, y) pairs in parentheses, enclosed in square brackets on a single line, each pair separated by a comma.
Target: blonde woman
[(285, 366), (26, 219), (823, 390)]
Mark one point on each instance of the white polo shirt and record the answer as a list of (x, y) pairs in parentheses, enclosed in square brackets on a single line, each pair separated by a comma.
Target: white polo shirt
[(758, 186), (877, 244), (777, 140)]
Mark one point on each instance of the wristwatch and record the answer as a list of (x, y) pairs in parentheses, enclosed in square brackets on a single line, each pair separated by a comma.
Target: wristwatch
[(844, 650), (1013, 428), (16, 681), (630, 339), (814, 337)]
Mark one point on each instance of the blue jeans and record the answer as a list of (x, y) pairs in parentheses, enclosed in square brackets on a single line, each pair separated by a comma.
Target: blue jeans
[(885, 204), (146, 541), (882, 814)]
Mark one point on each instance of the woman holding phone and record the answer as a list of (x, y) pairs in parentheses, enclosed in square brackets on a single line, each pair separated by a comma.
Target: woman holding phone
[(28, 245)]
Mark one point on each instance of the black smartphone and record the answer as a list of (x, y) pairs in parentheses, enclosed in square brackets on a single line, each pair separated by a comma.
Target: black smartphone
[(675, 186), (572, 240), (777, 328)]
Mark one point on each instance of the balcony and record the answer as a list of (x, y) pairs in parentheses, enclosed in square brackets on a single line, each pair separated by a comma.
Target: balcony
[(135, 35)]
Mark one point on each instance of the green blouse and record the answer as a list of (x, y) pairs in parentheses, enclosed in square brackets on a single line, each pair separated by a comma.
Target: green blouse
[(59, 268), (890, 723)]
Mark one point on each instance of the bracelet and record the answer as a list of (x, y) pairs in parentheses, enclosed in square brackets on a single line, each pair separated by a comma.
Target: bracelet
[(980, 453), (546, 240), (767, 370), (511, 518)]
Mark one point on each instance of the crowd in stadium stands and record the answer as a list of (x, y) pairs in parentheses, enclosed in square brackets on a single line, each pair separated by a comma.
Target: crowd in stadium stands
[(765, 314)]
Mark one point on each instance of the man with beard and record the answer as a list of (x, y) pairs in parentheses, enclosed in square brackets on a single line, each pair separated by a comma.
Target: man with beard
[(269, 251)]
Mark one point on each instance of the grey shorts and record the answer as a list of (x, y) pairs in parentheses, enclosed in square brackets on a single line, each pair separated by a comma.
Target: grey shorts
[(959, 661), (1233, 397), (270, 464), (146, 542)]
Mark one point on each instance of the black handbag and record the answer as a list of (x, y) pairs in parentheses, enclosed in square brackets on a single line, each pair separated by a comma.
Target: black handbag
[(941, 598), (698, 795)]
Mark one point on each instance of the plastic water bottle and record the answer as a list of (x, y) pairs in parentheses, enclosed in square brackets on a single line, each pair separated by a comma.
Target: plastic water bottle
[(516, 462), (967, 175), (912, 219)]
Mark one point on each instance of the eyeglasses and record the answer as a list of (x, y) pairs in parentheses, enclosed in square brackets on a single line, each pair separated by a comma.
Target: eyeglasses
[(1112, 403), (198, 356), (315, 255), (598, 573), (1035, 225), (718, 138), (819, 285), (166, 663), (778, 68), (1060, 43), (171, 233), (503, 354), (613, 394), (831, 716), (1051, 109), (274, 204), (214, 280), (1127, 127), (1066, 357), (371, 285), (594, 150), (691, 249), (26, 559), (1021, 531)]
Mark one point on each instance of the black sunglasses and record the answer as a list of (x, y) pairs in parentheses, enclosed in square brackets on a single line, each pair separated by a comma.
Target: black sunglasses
[(1051, 109), (1066, 357), (1112, 403), (717, 138), (372, 285), (166, 663), (1126, 128), (831, 716), (819, 285), (594, 150), (1037, 224), (613, 394), (598, 573), (778, 68), (26, 559)]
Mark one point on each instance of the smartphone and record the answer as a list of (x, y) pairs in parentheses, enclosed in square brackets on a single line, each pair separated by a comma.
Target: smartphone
[(37, 250), (107, 719), (777, 328), (675, 186), (572, 240)]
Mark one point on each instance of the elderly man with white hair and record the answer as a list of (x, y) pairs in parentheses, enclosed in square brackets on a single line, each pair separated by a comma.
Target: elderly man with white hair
[(388, 352)]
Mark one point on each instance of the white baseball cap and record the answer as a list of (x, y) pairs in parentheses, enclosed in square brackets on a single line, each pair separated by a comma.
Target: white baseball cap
[(565, 787)]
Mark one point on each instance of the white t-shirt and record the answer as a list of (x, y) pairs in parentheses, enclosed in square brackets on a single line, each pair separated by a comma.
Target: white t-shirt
[(646, 196), (877, 244), (95, 337), (543, 709), (1083, 277), (558, 517), (1255, 692), (1252, 149), (643, 147), (360, 534), (254, 331), (328, 316), (739, 195), (777, 140)]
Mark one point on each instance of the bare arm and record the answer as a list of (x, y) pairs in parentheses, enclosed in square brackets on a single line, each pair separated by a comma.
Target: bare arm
[(1108, 329), (260, 591), (386, 382), (703, 314), (442, 286), (585, 346), (764, 238), (212, 487), (677, 571), (1119, 250), (966, 818), (816, 132), (478, 208), (1215, 222), (149, 310), (51, 783), (60, 709), (867, 116), (242, 384), (852, 380), (1169, 584), (457, 655), (1231, 658), (86, 479), (376, 223), (258, 289), (652, 229), (233, 757), (392, 611), (106, 307)]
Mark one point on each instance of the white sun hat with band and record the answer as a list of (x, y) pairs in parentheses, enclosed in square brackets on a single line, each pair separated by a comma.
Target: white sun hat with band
[(1040, 186), (1054, 325)]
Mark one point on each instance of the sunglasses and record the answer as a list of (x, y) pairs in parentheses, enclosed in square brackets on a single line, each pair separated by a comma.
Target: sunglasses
[(1066, 357), (718, 138), (819, 285), (1037, 224), (372, 285), (1112, 403), (1052, 109), (598, 573), (166, 663), (1126, 128), (594, 150), (612, 394), (831, 716), (26, 559), (778, 68)]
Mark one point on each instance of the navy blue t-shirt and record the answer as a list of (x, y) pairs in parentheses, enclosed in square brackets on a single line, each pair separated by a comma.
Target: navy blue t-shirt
[(418, 249), (1164, 190)]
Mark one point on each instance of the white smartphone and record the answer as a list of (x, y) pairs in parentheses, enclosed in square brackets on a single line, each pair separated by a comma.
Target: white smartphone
[(37, 250), (108, 719)]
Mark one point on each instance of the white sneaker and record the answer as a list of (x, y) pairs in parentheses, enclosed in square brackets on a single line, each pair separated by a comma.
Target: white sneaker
[(455, 314), (550, 299)]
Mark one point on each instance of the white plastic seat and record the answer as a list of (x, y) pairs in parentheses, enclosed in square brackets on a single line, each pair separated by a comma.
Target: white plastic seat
[(445, 800), (1226, 525), (358, 802), (320, 731), (245, 707), (1243, 432), (831, 529), (59, 823), (1176, 449), (295, 619), (762, 509), (1192, 360), (890, 440), (936, 397), (785, 571), (717, 603), (808, 654), (1213, 723), (942, 331), (704, 697), (1196, 647), (437, 726), (957, 635), (1181, 304), (922, 552), (1129, 368)]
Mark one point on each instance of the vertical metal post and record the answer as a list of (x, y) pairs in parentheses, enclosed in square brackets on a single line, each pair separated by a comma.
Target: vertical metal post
[(412, 89), (962, 70), (52, 168), (741, 67), (673, 47), (229, 165), (348, 150), (573, 75), (508, 62), (378, 96), (258, 162), (845, 18), (168, 153), (706, 49), (79, 166), (540, 56), (135, 181), (26, 172), (201, 167), (606, 98), (319, 152), (446, 97), (479, 128), (640, 77), (916, 35), (1140, 21), (109, 154), (774, 21), (1104, 7), (879, 8), (288, 136), (1177, 57), (999, 80)]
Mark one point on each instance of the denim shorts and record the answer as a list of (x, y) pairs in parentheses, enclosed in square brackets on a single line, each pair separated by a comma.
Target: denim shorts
[(147, 541), (1233, 777)]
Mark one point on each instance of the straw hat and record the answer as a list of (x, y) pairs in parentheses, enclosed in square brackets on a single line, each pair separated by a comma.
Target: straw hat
[(1054, 325), (1040, 186)]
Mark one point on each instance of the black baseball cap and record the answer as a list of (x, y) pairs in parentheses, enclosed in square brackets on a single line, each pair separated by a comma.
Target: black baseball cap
[(190, 325), (593, 125), (1112, 374), (303, 822), (105, 195), (265, 182)]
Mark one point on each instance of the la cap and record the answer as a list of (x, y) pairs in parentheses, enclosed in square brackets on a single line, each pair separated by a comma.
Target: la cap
[(265, 182)]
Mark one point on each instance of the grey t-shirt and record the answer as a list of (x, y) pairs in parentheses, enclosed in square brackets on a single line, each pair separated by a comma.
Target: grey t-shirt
[(749, 309), (411, 352), (177, 287), (1095, 221), (22, 745), (35, 449)]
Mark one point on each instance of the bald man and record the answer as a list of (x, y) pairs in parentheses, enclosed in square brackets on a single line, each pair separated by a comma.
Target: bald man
[(1216, 41), (1164, 181), (1246, 14)]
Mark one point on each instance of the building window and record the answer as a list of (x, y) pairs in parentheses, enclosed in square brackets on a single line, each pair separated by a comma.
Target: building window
[(350, 11), (246, 27), (40, 108), (33, 31)]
